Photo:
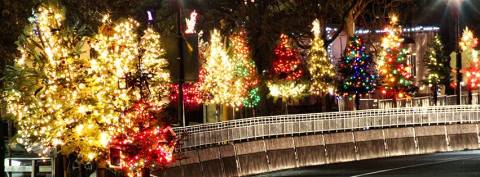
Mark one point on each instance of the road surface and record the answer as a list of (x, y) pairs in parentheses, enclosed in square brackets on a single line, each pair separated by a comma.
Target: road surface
[(451, 164)]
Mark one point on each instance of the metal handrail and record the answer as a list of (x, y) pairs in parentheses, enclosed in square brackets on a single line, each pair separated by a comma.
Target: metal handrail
[(259, 127)]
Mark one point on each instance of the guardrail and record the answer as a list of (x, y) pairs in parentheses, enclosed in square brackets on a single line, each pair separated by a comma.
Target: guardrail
[(23, 167), (259, 127)]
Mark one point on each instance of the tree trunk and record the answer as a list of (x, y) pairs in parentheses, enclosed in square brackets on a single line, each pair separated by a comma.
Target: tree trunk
[(286, 107), (394, 99), (145, 172), (357, 101), (328, 103), (435, 94), (319, 101), (101, 168), (59, 165), (350, 26), (469, 101), (217, 112)]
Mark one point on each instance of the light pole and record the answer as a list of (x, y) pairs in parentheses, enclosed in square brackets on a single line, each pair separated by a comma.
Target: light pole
[(181, 70), (456, 14)]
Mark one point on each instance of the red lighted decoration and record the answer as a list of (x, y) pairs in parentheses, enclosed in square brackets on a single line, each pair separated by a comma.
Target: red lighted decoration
[(287, 63), (144, 142), (192, 96)]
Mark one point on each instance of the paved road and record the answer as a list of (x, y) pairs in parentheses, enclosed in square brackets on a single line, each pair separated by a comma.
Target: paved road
[(452, 164)]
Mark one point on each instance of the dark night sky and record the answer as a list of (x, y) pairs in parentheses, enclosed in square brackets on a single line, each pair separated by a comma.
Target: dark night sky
[(439, 12)]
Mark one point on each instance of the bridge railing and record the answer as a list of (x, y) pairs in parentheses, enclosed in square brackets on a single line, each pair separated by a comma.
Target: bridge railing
[(410, 102), (259, 127)]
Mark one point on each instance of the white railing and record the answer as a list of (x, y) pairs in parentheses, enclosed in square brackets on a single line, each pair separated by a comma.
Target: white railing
[(260, 127), (411, 102)]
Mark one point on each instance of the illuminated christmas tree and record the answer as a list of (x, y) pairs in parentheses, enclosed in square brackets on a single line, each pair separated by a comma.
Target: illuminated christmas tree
[(62, 98), (145, 143), (394, 70), (219, 80), (319, 66), (58, 96), (155, 66), (467, 44), (287, 72), (245, 70), (438, 65), (357, 71)]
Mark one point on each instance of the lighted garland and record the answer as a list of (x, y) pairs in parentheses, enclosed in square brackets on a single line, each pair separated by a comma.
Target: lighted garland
[(319, 66), (192, 97), (357, 70), (394, 71)]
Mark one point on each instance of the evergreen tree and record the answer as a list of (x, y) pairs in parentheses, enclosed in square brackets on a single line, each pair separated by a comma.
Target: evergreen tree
[(287, 72), (319, 66), (245, 69), (467, 44), (357, 71), (219, 79), (60, 97), (394, 70), (438, 66)]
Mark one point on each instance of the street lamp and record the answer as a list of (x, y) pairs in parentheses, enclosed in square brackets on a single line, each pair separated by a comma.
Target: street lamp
[(456, 13)]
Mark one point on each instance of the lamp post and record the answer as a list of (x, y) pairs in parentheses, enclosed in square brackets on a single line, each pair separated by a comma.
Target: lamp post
[(456, 15), (181, 70)]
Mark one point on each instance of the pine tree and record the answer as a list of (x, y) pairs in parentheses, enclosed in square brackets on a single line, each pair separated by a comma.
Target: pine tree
[(319, 66), (287, 72), (394, 70), (154, 63), (145, 143), (219, 81), (472, 71), (438, 66), (357, 71), (60, 97), (245, 69)]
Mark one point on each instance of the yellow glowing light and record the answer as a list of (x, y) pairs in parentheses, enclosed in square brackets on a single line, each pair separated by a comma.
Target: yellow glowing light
[(220, 80), (73, 100), (319, 66)]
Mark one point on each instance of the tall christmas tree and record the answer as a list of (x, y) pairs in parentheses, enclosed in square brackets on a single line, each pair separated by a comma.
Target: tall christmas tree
[(154, 65), (287, 72), (60, 97), (467, 44), (319, 66), (145, 142), (394, 70), (220, 82), (140, 137), (438, 65), (245, 69), (357, 71)]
